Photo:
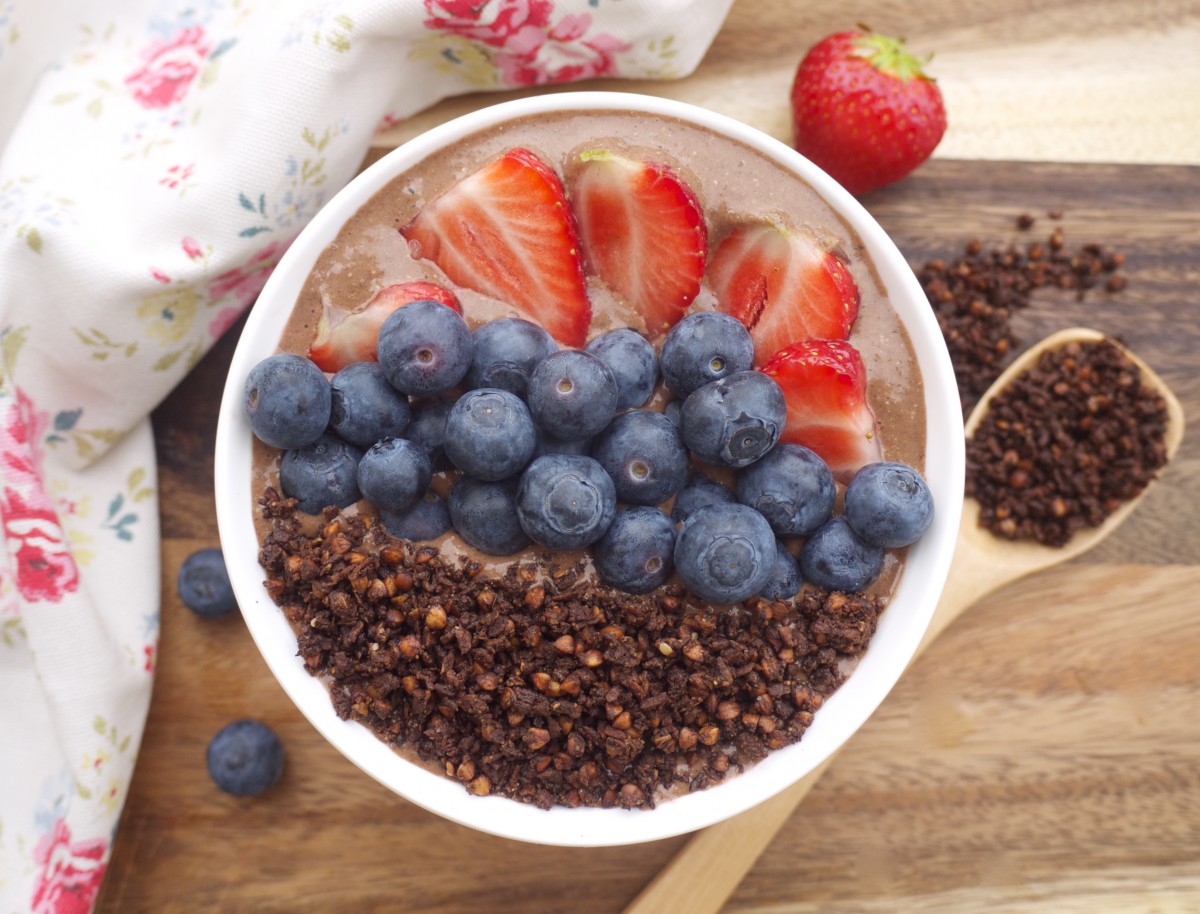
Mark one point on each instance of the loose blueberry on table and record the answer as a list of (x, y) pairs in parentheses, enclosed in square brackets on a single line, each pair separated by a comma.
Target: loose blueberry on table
[(245, 758), (204, 585)]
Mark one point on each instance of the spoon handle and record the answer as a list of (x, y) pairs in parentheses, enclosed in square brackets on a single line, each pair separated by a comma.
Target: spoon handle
[(700, 878)]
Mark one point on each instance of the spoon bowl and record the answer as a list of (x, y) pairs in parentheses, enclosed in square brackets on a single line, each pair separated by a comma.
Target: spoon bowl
[(984, 562)]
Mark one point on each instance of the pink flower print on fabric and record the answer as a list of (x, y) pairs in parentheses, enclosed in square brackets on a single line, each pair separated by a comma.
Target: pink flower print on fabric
[(516, 24), (168, 69), (222, 321), (45, 569), (192, 248), (178, 176), (245, 282), (562, 62), (530, 51), (71, 872)]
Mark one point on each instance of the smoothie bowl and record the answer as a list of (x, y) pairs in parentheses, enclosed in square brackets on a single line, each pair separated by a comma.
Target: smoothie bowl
[(589, 574)]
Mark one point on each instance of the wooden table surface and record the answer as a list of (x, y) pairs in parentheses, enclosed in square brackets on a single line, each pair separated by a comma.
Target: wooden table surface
[(1042, 756)]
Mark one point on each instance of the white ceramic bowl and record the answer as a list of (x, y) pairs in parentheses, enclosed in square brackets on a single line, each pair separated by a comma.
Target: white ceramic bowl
[(900, 629)]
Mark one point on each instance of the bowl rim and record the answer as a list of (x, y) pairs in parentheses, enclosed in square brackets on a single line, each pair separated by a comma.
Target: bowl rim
[(842, 714)]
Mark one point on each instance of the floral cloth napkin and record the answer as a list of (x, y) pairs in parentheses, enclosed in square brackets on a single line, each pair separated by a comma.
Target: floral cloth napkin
[(158, 157)]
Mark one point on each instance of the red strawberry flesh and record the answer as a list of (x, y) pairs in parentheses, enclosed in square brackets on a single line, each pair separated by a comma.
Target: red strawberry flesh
[(345, 338), (507, 232), (783, 285), (643, 234), (825, 385)]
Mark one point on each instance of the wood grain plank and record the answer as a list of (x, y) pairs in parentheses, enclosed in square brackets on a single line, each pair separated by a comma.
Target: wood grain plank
[(1038, 757), (1041, 757)]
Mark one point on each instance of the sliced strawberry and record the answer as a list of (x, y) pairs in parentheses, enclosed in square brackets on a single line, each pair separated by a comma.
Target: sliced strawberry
[(506, 231), (825, 384), (351, 337), (643, 234), (783, 285)]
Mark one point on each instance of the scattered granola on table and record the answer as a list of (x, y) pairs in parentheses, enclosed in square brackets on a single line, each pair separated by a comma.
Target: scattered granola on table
[(975, 296), (543, 685), (1065, 444)]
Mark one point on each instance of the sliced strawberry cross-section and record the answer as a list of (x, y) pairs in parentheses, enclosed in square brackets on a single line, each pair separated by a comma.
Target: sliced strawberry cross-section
[(345, 338), (507, 232), (783, 285), (643, 234), (825, 385)]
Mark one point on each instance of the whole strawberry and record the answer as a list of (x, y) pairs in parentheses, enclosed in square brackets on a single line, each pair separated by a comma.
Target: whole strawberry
[(864, 111)]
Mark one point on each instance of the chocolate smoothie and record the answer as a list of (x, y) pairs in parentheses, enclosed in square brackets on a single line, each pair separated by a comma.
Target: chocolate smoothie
[(732, 182)]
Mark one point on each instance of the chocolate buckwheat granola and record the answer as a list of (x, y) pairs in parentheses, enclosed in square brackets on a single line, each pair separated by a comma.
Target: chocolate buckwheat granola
[(975, 296), (543, 685), (1065, 444)]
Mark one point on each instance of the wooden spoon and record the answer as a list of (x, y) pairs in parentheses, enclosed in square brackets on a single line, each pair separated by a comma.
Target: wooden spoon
[(702, 876)]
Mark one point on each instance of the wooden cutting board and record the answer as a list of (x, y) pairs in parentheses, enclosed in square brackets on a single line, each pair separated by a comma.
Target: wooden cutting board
[(1044, 755)]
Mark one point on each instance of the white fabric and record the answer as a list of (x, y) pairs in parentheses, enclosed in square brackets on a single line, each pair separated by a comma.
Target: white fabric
[(158, 157)]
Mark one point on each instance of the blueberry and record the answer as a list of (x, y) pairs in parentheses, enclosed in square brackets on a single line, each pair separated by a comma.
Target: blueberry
[(835, 558), (888, 504), (427, 519), (323, 473), (791, 487), (490, 434), (703, 347), (572, 394), (698, 491), (784, 582), (548, 444), (636, 553), (203, 584), (365, 407), (485, 515), (506, 352), (393, 474), (427, 429), (633, 363), (644, 454), (245, 758), (725, 553), (735, 420), (565, 502), (425, 348), (287, 401), (673, 411)]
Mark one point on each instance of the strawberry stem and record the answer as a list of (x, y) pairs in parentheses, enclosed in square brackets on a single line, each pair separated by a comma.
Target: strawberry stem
[(889, 55)]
